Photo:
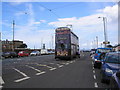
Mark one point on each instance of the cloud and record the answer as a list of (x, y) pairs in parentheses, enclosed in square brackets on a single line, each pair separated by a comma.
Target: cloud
[(87, 28), (43, 21), (92, 26), (31, 34), (60, 1)]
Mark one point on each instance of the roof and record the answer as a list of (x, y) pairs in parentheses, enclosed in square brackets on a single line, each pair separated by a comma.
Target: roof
[(114, 53), (104, 48)]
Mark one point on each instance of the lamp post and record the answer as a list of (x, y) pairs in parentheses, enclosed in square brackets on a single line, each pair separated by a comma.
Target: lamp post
[(13, 36), (105, 33), (97, 41)]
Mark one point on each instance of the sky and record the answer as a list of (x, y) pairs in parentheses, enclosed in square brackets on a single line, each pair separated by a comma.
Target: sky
[(35, 22)]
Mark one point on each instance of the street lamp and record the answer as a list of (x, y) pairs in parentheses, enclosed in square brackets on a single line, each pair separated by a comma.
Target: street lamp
[(105, 33), (13, 24)]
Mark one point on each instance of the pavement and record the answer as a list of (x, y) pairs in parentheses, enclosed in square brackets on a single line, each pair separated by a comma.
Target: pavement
[(46, 72)]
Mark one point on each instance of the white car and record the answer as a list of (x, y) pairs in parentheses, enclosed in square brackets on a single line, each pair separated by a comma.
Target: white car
[(44, 51), (34, 53)]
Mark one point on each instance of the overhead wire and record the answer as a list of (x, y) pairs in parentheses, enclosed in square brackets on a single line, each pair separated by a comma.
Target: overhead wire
[(64, 6), (50, 10), (14, 8)]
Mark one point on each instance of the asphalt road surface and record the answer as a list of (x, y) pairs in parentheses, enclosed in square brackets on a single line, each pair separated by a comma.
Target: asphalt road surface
[(46, 72)]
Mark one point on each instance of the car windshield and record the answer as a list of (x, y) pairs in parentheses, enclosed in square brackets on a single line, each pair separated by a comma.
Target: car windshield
[(103, 50), (115, 58), (21, 52), (34, 51)]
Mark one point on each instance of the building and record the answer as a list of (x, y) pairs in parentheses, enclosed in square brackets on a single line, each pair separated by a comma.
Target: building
[(8, 45)]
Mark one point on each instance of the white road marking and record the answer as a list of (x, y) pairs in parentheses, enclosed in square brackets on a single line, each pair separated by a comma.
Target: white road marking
[(96, 85), (93, 68), (1, 87), (71, 62), (33, 68), (51, 63), (63, 63), (94, 77), (25, 76), (40, 73), (19, 80), (44, 65), (93, 71), (61, 66), (1, 80), (52, 69), (66, 63), (20, 72)]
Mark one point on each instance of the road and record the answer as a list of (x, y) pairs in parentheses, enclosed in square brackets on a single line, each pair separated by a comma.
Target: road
[(45, 72)]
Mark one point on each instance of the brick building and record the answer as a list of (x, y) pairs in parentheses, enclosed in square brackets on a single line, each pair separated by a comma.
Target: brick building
[(8, 45)]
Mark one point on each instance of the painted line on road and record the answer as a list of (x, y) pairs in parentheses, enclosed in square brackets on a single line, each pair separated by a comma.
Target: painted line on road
[(20, 72), (96, 85), (33, 68), (44, 65), (94, 76), (1, 87), (25, 76), (19, 80), (93, 68), (71, 62), (1, 80), (93, 71), (40, 73), (52, 69), (66, 63), (51, 63), (60, 66)]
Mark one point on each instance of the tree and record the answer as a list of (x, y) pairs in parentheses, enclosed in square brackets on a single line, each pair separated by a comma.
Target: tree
[(23, 46)]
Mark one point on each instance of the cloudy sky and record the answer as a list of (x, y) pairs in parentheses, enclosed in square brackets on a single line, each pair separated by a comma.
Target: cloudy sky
[(35, 22)]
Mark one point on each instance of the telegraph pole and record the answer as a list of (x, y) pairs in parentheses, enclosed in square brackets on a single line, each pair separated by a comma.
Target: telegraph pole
[(97, 41), (105, 32), (13, 35)]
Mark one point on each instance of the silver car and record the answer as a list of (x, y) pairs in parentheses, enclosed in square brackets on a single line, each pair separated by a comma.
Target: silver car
[(35, 53)]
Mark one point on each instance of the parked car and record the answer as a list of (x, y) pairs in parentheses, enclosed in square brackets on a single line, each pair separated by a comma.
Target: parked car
[(99, 55), (44, 51), (92, 52), (23, 53), (9, 54), (34, 53), (115, 81), (110, 65)]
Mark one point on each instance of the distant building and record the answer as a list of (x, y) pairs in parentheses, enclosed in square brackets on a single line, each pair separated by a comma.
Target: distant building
[(8, 45)]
